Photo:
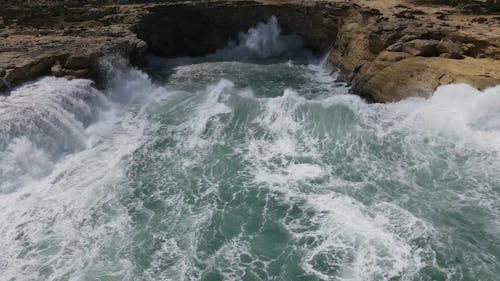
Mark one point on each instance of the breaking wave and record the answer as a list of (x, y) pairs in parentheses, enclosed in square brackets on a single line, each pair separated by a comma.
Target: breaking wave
[(231, 170)]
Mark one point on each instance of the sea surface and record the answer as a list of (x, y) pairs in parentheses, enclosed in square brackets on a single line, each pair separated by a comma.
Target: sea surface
[(252, 163)]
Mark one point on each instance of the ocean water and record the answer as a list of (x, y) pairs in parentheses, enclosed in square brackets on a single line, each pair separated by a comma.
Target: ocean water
[(252, 163)]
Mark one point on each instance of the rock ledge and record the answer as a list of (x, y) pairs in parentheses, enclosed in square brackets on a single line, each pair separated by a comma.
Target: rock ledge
[(387, 50)]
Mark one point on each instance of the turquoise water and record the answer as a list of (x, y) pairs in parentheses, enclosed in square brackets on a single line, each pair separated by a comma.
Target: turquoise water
[(250, 164)]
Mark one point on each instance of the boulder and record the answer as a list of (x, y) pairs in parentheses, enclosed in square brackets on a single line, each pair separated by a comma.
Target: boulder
[(57, 70), (421, 47), (447, 46)]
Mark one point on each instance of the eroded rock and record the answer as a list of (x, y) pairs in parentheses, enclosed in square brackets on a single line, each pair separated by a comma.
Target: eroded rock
[(385, 53), (419, 77), (448, 47), (421, 47)]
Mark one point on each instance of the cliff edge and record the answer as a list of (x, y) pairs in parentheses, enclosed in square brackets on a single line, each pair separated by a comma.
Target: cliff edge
[(387, 50)]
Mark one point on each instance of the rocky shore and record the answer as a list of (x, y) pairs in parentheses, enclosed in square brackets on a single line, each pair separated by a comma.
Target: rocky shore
[(388, 50)]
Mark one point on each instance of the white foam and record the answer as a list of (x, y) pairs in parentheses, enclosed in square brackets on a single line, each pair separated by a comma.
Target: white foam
[(460, 111), (261, 42), (41, 122), (64, 219), (304, 171), (358, 242), (21, 163), (362, 247), (205, 112)]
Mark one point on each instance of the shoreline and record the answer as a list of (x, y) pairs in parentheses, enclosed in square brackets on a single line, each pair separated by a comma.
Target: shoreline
[(386, 51)]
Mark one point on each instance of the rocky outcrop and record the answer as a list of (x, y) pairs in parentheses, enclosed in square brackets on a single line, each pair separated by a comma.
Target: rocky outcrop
[(64, 44), (448, 48), (419, 77), (387, 51), (388, 56), (72, 57)]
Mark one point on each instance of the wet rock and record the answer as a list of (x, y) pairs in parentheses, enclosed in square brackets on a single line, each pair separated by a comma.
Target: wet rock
[(57, 70), (79, 61), (80, 73)]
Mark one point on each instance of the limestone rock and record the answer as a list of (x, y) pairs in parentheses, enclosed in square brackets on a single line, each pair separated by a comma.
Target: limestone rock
[(393, 56), (421, 47), (57, 70), (396, 47), (79, 61), (419, 77), (80, 73), (384, 50), (447, 46)]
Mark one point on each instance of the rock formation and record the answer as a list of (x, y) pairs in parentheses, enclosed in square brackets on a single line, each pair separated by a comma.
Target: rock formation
[(388, 57), (386, 50)]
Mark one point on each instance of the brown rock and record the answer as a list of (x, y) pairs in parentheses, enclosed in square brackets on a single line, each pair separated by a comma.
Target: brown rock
[(396, 47), (447, 46), (360, 33), (419, 77), (78, 62), (404, 15), (393, 56), (80, 73), (57, 70), (480, 20), (421, 47)]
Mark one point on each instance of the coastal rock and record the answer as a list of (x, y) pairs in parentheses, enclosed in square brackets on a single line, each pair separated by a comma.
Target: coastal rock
[(396, 47), (79, 61), (421, 47), (393, 56), (419, 77), (447, 46), (57, 70), (385, 50)]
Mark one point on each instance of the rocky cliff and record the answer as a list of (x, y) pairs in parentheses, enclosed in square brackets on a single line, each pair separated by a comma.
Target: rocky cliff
[(387, 51), (390, 51)]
